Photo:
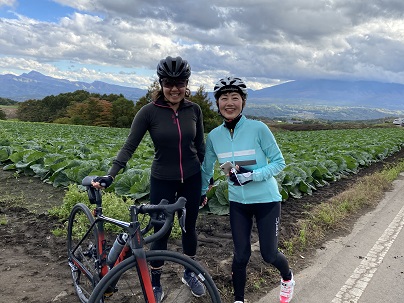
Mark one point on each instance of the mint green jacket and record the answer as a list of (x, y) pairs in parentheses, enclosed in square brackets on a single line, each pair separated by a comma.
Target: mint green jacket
[(252, 146)]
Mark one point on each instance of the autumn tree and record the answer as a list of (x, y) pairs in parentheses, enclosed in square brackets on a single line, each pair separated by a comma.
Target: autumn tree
[(94, 111), (49, 108), (104, 116), (84, 108)]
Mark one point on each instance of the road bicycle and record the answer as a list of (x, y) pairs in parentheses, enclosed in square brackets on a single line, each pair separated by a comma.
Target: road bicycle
[(98, 279)]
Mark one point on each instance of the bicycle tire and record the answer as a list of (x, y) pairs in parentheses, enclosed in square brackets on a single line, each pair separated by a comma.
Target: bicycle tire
[(82, 256), (129, 290)]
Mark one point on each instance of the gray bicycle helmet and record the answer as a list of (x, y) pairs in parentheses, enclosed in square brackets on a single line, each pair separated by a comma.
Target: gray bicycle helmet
[(230, 84), (173, 68)]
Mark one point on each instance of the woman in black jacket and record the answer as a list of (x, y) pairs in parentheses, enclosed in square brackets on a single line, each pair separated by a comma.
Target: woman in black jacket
[(175, 125)]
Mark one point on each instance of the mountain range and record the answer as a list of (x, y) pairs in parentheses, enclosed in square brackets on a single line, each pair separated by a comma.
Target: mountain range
[(34, 85), (305, 99)]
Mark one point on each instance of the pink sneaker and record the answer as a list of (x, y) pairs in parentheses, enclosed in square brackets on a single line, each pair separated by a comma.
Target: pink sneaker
[(287, 287)]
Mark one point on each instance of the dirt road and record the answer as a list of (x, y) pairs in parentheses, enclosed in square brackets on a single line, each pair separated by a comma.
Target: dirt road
[(365, 266)]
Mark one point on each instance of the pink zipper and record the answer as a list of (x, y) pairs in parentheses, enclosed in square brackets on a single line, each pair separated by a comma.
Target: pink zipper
[(180, 135), (179, 146)]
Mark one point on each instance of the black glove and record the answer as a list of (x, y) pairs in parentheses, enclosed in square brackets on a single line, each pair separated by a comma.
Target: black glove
[(243, 176), (104, 181)]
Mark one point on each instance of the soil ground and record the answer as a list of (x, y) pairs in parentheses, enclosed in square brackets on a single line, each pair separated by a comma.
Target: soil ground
[(33, 261)]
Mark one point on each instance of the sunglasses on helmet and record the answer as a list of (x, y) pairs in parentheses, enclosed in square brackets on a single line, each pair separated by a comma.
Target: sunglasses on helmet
[(170, 83)]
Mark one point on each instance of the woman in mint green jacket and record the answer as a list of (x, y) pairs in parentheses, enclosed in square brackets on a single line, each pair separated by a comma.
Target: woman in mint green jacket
[(253, 189)]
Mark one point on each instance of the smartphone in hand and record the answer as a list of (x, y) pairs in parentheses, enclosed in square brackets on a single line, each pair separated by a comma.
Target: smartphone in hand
[(227, 167)]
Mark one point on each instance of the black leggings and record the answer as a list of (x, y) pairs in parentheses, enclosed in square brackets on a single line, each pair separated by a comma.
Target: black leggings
[(267, 216), (172, 190)]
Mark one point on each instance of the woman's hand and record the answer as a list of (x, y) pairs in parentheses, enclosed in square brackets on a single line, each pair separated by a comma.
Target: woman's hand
[(102, 182)]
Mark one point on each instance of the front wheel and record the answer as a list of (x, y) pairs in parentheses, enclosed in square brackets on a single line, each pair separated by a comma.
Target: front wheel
[(82, 251), (124, 278)]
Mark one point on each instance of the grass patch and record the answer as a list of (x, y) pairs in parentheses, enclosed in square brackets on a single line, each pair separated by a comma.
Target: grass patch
[(8, 199), (333, 214), (3, 220), (113, 206)]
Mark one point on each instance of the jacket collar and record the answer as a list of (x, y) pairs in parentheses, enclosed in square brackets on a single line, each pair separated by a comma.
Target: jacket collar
[(239, 122)]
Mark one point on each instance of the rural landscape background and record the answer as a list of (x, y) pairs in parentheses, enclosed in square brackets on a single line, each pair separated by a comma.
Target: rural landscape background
[(42, 163), (326, 77), (334, 100)]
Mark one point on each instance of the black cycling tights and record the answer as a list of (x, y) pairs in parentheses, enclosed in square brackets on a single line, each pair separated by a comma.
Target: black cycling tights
[(267, 216), (172, 190)]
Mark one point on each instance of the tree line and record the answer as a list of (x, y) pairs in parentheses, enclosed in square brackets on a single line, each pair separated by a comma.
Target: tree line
[(6, 101), (84, 108)]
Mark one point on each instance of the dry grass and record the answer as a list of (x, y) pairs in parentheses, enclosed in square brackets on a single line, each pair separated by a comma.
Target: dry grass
[(336, 212)]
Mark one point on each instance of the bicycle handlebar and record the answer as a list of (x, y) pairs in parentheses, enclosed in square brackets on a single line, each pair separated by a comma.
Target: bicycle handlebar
[(169, 210), (87, 180)]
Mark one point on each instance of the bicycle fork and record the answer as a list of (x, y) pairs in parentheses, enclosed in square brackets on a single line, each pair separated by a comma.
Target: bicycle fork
[(136, 244), (144, 275)]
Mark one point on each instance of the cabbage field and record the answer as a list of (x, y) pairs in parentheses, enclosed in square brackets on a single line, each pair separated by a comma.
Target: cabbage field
[(65, 154)]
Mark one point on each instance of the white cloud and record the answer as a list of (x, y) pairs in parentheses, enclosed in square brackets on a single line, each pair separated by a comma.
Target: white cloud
[(263, 41), (7, 2)]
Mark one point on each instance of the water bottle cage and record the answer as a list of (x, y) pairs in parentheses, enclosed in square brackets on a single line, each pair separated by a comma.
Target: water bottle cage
[(116, 248)]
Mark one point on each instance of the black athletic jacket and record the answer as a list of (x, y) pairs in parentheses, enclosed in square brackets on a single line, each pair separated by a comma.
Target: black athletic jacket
[(178, 139)]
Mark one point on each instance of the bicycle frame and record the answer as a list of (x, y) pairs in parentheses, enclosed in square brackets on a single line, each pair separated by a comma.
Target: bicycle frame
[(135, 243)]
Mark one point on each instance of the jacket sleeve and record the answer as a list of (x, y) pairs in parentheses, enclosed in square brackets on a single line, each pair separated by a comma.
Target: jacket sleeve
[(208, 165), (137, 132), (273, 153)]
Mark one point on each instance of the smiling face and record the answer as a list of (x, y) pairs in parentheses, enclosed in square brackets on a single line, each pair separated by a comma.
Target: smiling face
[(230, 105), (174, 89)]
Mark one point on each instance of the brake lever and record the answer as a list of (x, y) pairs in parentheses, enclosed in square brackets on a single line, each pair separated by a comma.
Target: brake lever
[(181, 220)]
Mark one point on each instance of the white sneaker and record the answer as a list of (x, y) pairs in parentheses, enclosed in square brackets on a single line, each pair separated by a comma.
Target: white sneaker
[(287, 288), (238, 302)]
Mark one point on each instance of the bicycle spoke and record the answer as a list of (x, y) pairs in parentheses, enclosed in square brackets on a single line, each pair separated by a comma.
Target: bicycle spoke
[(82, 252), (128, 288)]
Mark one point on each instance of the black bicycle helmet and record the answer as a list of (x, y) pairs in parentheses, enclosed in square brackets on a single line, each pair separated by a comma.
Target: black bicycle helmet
[(173, 68), (229, 84)]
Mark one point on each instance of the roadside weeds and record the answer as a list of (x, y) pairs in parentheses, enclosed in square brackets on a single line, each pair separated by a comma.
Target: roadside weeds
[(334, 213)]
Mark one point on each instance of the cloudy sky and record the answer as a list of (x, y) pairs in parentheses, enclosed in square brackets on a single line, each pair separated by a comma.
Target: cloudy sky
[(263, 41)]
